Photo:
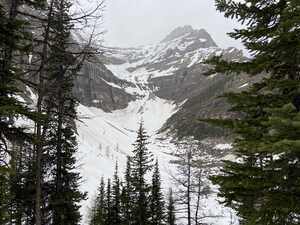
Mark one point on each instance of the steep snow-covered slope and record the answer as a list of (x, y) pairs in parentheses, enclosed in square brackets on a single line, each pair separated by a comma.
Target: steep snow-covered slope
[(148, 74), (106, 138)]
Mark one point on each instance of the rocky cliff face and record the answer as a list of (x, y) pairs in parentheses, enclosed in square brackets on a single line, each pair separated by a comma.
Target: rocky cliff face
[(97, 86), (172, 69), (163, 84)]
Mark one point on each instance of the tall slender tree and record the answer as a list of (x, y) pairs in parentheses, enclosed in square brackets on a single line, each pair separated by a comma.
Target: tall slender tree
[(171, 219), (141, 164), (116, 199), (184, 180), (108, 204), (14, 44), (97, 213), (100, 212), (62, 67), (157, 203), (262, 185), (127, 195)]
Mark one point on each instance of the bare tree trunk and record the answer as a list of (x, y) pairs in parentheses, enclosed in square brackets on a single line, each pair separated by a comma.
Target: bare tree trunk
[(198, 200), (39, 125), (189, 155), (38, 169)]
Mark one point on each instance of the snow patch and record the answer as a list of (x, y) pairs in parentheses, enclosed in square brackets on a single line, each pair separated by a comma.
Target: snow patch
[(244, 85), (223, 146)]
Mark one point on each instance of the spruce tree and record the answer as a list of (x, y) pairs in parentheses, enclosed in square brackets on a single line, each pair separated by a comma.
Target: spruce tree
[(141, 165), (62, 67), (14, 42), (127, 195), (116, 199), (100, 211), (157, 204), (97, 214), (262, 185), (170, 209), (108, 204)]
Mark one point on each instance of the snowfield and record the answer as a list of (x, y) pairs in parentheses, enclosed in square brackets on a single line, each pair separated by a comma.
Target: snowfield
[(107, 138)]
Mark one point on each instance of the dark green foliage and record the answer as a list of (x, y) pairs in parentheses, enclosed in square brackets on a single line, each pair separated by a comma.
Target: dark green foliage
[(37, 171), (61, 106), (171, 219), (108, 204), (134, 201), (13, 42), (116, 199), (157, 203), (262, 185), (141, 164), (97, 216), (127, 195), (4, 195)]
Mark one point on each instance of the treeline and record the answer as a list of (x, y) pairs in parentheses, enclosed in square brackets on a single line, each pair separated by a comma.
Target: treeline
[(138, 198), (134, 201), (38, 181)]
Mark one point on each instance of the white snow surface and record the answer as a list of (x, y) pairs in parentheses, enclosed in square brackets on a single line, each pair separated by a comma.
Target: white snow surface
[(223, 146), (106, 138), (137, 60), (244, 85)]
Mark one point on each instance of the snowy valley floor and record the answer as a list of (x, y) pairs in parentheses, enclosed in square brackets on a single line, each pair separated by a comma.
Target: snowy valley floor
[(107, 138)]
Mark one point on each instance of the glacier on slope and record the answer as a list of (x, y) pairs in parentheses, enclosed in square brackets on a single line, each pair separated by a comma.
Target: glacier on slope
[(106, 137)]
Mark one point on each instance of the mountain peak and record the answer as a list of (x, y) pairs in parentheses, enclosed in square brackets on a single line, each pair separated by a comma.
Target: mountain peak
[(178, 32), (191, 33)]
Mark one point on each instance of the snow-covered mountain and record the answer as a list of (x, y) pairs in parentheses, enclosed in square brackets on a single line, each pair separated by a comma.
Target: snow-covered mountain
[(162, 84)]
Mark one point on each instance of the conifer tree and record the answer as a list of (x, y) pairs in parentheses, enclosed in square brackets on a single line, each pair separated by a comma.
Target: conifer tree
[(157, 204), (97, 216), (171, 219), (127, 195), (108, 204), (92, 213), (14, 42), (62, 67), (100, 211), (141, 165), (262, 185), (116, 199)]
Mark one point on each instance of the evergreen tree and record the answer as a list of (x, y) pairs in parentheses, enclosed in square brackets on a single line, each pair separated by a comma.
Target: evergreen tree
[(157, 203), (127, 195), (97, 216), (62, 67), (170, 209), (92, 213), (14, 42), (25, 158), (100, 213), (263, 184), (116, 199), (141, 165), (108, 204)]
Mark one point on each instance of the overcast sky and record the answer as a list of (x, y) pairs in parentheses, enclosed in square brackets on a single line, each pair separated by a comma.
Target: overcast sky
[(139, 22)]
